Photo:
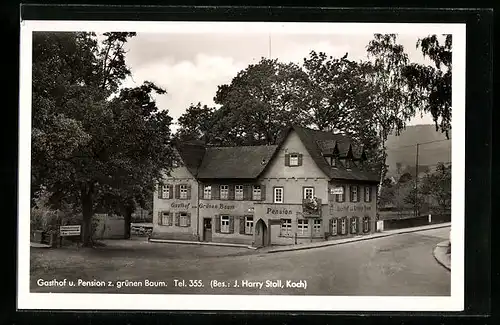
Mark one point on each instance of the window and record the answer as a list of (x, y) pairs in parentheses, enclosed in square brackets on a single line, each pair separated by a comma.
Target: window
[(294, 159), (302, 226), (366, 224), (368, 192), (224, 192), (354, 225), (286, 227), (341, 197), (184, 219), (343, 226), (278, 195), (308, 193), (354, 193), (248, 225), (333, 226), (207, 192), (164, 219), (165, 192), (183, 192), (334, 162), (317, 227), (238, 192), (256, 194), (224, 224)]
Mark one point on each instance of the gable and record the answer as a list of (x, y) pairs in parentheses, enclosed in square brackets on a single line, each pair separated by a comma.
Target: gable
[(292, 144)]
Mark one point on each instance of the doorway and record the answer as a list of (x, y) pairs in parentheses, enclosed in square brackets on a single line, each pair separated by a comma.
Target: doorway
[(261, 234), (207, 229)]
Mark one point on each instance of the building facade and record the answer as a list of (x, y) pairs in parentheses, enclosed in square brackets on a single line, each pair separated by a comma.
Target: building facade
[(312, 186)]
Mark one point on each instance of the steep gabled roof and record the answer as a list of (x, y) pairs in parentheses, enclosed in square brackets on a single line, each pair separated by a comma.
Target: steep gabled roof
[(191, 154), (311, 138), (244, 162)]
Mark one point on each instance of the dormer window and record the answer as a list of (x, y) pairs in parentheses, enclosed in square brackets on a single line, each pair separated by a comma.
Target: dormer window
[(333, 162)]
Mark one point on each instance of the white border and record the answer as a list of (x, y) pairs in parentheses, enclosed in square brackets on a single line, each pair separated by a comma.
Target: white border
[(65, 301)]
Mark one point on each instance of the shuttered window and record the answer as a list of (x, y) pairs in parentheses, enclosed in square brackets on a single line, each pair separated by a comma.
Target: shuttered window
[(343, 226), (368, 196), (354, 193), (227, 224), (207, 192), (340, 197), (238, 192), (366, 224), (354, 225), (183, 191), (224, 192), (165, 194), (184, 219), (256, 193), (333, 226)]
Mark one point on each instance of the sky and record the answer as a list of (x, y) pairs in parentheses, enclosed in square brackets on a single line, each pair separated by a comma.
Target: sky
[(191, 66)]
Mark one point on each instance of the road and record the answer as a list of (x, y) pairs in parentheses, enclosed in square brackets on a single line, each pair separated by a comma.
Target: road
[(399, 265)]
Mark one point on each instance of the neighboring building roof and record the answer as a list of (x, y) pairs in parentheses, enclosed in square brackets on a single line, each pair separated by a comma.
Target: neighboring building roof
[(235, 162), (249, 162)]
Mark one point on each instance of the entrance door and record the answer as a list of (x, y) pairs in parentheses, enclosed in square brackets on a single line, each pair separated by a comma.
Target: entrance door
[(261, 237), (207, 229)]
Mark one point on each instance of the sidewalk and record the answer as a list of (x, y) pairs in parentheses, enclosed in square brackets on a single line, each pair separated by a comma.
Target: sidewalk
[(168, 241), (385, 233), (441, 254)]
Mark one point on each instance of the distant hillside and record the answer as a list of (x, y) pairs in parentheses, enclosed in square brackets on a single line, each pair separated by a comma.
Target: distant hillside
[(402, 148)]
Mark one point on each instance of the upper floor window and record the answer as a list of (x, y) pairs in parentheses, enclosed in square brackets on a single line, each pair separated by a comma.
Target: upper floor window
[(354, 193), (340, 197), (207, 192), (278, 195), (368, 193), (333, 162), (224, 192), (238, 192), (308, 193), (165, 192), (256, 193), (293, 159), (183, 191)]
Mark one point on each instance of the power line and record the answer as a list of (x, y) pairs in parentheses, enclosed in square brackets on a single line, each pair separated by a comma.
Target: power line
[(419, 144)]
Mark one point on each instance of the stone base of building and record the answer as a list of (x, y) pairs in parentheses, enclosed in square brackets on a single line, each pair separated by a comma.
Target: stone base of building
[(174, 236)]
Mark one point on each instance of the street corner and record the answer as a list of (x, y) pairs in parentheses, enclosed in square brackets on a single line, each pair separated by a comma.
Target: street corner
[(442, 254)]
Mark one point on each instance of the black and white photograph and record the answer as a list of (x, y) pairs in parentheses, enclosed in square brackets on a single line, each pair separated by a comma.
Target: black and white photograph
[(241, 166)]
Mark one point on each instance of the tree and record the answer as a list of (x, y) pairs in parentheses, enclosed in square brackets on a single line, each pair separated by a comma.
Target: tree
[(259, 102), (86, 142), (437, 186), (434, 83), (197, 123), (394, 102)]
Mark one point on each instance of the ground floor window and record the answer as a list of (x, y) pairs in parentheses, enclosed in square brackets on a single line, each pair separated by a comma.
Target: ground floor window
[(317, 227), (184, 220), (164, 219), (354, 225), (333, 226), (286, 227), (343, 226), (224, 224), (249, 225), (302, 227), (366, 224)]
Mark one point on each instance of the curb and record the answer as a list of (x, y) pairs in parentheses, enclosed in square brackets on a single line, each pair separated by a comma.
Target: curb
[(168, 241), (440, 251), (356, 239)]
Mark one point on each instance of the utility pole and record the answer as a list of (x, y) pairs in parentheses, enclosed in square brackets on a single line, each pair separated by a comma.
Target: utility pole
[(269, 46), (416, 183)]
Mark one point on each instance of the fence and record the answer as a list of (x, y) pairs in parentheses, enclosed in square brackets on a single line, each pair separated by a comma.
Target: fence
[(416, 221)]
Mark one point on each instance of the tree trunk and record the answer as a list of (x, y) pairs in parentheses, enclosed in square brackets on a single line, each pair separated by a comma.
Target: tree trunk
[(87, 211), (127, 215)]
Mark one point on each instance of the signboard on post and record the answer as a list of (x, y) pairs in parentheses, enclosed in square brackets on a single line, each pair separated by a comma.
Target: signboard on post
[(73, 230), (337, 190)]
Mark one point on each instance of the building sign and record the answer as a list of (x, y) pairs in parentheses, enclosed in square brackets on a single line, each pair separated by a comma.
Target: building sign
[(350, 208), (73, 230), (218, 206), (177, 205), (337, 190)]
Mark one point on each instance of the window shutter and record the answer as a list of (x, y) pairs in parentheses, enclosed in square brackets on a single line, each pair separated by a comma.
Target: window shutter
[(242, 225), (247, 192), (201, 186), (160, 190), (188, 189), (331, 226), (177, 191), (217, 223), (263, 192), (342, 197), (300, 159), (177, 218), (215, 192), (231, 192), (350, 193), (189, 219), (170, 192), (159, 218), (231, 224), (287, 159)]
